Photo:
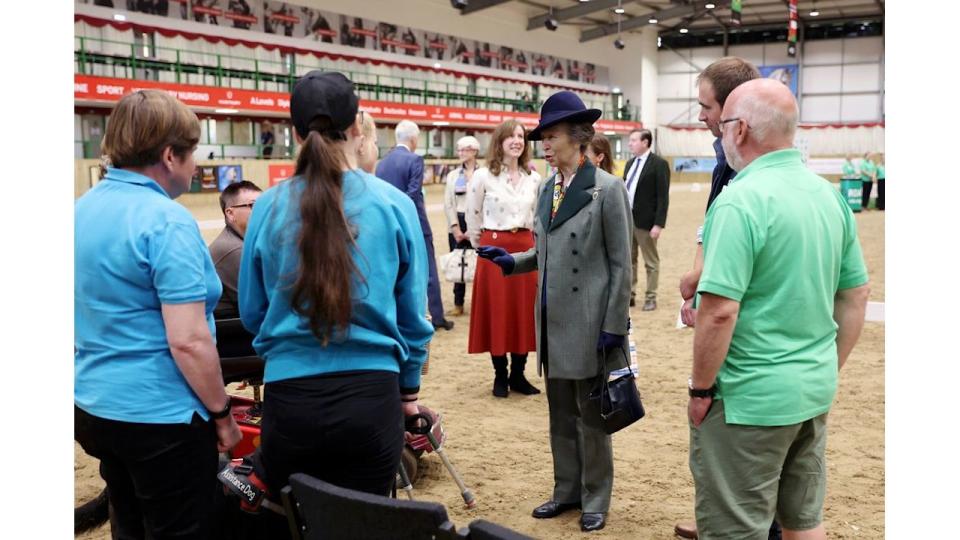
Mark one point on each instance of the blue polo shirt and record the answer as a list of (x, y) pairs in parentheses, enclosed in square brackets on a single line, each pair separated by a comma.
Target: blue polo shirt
[(134, 249), (388, 328)]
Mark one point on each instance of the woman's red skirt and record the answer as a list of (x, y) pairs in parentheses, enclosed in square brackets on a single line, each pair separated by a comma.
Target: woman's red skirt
[(502, 309)]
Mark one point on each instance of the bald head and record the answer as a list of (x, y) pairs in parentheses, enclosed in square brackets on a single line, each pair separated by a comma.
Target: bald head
[(768, 113), (768, 107)]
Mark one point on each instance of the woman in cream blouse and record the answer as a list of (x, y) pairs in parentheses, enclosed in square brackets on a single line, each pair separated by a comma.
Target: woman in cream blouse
[(455, 207), (500, 203)]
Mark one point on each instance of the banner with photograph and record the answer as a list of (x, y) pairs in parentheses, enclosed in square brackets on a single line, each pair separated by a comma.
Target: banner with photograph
[(694, 164), (296, 21), (787, 74)]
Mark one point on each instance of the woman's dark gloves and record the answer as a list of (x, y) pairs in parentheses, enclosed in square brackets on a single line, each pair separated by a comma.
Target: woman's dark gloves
[(497, 256), (607, 342)]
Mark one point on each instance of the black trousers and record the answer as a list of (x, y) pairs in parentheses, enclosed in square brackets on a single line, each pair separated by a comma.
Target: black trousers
[(880, 199), (459, 289), (344, 428), (162, 478), (867, 189)]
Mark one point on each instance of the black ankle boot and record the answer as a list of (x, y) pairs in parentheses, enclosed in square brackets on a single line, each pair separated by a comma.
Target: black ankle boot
[(519, 383), (500, 381)]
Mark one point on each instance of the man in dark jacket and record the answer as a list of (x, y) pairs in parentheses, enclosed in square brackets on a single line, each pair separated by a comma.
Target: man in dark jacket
[(402, 168), (648, 184)]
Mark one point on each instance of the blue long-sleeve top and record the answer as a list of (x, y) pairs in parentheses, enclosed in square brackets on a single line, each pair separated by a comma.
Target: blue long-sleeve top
[(388, 327)]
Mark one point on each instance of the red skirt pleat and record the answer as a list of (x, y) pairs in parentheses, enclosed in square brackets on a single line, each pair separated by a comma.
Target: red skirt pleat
[(502, 309)]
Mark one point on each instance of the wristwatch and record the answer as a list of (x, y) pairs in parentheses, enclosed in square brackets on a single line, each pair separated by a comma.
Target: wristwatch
[(221, 414), (700, 392)]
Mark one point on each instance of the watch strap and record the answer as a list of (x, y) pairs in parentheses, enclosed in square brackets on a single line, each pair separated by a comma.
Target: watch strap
[(703, 392), (217, 415)]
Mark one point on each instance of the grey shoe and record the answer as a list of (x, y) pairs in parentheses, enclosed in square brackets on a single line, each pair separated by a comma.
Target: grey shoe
[(650, 305)]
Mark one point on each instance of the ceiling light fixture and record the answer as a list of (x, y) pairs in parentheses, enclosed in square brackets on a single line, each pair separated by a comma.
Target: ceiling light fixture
[(653, 20), (119, 17), (226, 111), (619, 11), (618, 43), (616, 90), (436, 65), (551, 23), (710, 5), (814, 12), (683, 30)]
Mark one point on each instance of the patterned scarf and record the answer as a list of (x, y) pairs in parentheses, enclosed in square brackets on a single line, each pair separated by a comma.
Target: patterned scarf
[(559, 190)]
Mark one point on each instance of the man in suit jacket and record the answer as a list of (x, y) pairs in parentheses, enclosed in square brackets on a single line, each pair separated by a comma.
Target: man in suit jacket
[(648, 185), (402, 168), (583, 220)]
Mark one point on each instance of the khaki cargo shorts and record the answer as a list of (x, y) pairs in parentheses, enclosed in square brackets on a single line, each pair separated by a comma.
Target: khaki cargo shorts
[(746, 474)]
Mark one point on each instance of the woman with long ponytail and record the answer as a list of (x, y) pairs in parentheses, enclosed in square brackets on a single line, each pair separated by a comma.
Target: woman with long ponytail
[(333, 285)]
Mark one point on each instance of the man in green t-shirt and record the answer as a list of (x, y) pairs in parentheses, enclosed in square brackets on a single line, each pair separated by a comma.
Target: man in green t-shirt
[(783, 294)]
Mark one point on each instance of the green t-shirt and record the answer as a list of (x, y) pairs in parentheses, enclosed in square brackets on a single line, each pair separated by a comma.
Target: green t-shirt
[(849, 171), (881, 172), (867, 169), (781, 241)]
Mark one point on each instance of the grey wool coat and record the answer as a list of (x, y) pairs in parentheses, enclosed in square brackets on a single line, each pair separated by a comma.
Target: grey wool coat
[(583, 258)]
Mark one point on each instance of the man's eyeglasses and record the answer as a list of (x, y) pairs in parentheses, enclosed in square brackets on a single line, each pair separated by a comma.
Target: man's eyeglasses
[(728, 120), (244, 205)]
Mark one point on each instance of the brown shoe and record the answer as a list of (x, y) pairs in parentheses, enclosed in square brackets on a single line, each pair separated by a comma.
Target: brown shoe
[(456, 311), (686, 530)]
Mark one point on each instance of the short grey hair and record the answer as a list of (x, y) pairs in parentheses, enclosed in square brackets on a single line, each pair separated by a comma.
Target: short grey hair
[(766, 121), (581, 133), (406, 131)]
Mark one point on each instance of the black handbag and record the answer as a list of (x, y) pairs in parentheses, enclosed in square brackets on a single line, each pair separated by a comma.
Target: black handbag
[(619, 399)]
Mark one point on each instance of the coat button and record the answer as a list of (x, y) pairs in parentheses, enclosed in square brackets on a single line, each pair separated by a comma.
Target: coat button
[(575, 252), (575, 289), (575, 270), (573, 235)]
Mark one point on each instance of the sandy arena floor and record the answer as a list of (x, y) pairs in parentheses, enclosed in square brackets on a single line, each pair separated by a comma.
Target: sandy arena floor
[(501, 446)]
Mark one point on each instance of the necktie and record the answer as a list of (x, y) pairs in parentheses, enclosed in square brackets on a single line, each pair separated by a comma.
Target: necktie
[(636, 173)]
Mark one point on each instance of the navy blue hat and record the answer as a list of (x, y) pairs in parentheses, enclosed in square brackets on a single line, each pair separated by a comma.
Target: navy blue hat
[(564, 106), (320, 93)]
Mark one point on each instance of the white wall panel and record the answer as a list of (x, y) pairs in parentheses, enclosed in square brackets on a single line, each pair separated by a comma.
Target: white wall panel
[(821, 79), (677, 112), (861, 78), (822, 52), (704, 56), (775, 54), (860, 108), (751, 53), (863, 49), (675, 86), (820, 109), (673, 61)]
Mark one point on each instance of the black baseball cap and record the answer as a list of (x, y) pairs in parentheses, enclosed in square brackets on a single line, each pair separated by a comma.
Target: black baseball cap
[(323, 93)]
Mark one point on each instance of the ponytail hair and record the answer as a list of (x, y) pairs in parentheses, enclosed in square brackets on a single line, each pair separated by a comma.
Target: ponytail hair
[(322, 289)]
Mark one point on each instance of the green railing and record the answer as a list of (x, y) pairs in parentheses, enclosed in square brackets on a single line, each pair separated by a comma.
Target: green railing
[(127, 61)]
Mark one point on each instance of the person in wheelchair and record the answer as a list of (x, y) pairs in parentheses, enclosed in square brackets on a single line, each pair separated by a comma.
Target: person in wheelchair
[(333, 285), (149, 401)]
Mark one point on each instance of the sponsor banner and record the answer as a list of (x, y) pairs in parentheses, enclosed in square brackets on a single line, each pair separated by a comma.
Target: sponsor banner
[(89, 88), (787, 74), (295, 21), (694, 164), (280, 171)]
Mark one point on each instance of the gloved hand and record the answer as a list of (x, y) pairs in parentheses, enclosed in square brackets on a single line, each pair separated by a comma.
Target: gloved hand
[(607, 342), (497, 256)]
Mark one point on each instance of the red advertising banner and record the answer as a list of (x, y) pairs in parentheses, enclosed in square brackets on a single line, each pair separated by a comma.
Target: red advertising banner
[(280, 172), (103, 89)]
